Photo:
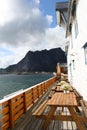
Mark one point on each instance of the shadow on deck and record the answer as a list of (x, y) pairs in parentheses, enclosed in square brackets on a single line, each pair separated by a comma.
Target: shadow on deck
[(29, 122)]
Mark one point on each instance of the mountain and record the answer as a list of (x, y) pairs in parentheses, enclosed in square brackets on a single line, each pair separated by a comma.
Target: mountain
[(38, 61)]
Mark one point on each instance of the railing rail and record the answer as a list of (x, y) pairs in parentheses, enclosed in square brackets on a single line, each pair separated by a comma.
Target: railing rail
[(11, 108)]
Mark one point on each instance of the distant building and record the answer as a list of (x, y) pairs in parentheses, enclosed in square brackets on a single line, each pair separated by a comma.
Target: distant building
[(62, 71), (73, 17)]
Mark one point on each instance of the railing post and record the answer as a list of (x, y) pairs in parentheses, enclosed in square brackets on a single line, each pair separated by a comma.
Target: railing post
[(32, 95), (58, 72), (0, 116), (44, 87), (25, 103), (11, 113), (38, 91)]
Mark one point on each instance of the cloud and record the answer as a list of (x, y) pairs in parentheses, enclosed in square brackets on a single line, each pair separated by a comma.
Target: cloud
[(55, 37), (23, 27), (19, 30), (37, 1), (5, 11), (28, 22)]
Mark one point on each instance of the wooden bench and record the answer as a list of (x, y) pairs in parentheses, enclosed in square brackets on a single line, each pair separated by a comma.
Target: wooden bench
[(78, 95), (40, 109), (84, 107), (52, 92)]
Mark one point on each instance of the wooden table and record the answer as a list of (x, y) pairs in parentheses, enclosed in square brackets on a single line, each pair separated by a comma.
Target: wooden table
[(60, 99), (60, 89)]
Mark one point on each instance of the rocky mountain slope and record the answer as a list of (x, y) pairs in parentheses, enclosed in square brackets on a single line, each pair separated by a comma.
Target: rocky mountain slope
[(38, 61)]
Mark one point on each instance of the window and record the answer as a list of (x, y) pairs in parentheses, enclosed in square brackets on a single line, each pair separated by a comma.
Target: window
[(85, 51), (71, 42), (73, 63), (76, 27)]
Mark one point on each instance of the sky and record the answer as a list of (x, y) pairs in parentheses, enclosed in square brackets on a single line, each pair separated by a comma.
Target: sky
[(27, 25)]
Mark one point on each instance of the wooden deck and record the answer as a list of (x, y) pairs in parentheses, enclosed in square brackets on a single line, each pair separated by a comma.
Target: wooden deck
[(29, 122)]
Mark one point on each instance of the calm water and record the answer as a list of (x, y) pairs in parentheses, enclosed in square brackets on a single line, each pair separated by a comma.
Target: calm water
[(11, 83)]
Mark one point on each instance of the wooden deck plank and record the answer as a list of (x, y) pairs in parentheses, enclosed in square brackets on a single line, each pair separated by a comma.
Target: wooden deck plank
[(29, 122)]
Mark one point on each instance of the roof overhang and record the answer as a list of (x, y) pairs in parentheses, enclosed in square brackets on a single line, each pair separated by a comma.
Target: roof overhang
[(61, 13), (71, 11), (65, 14)]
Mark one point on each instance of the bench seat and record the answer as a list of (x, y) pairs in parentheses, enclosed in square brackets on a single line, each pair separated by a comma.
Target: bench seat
[(84, 107), (40, 109)]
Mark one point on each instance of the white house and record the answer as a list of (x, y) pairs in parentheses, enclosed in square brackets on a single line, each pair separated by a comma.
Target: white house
[(76, 32)]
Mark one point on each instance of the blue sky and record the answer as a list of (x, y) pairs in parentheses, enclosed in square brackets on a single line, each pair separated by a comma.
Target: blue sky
[(4, 51), (27, 25), (48, 7)]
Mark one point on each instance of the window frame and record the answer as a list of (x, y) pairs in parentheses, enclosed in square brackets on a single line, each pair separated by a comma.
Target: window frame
[(85, 53), (76, 27), (73, 62)]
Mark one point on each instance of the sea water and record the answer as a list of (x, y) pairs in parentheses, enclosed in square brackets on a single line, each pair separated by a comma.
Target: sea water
[(10, 83)]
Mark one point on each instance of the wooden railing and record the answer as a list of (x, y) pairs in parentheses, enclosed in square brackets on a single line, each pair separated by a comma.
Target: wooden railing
[(13, 107)]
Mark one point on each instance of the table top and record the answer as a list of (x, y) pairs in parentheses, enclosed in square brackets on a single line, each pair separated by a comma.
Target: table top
[(63, 99)]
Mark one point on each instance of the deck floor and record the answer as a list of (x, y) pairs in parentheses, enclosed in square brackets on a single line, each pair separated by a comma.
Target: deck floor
[(29, 122)]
